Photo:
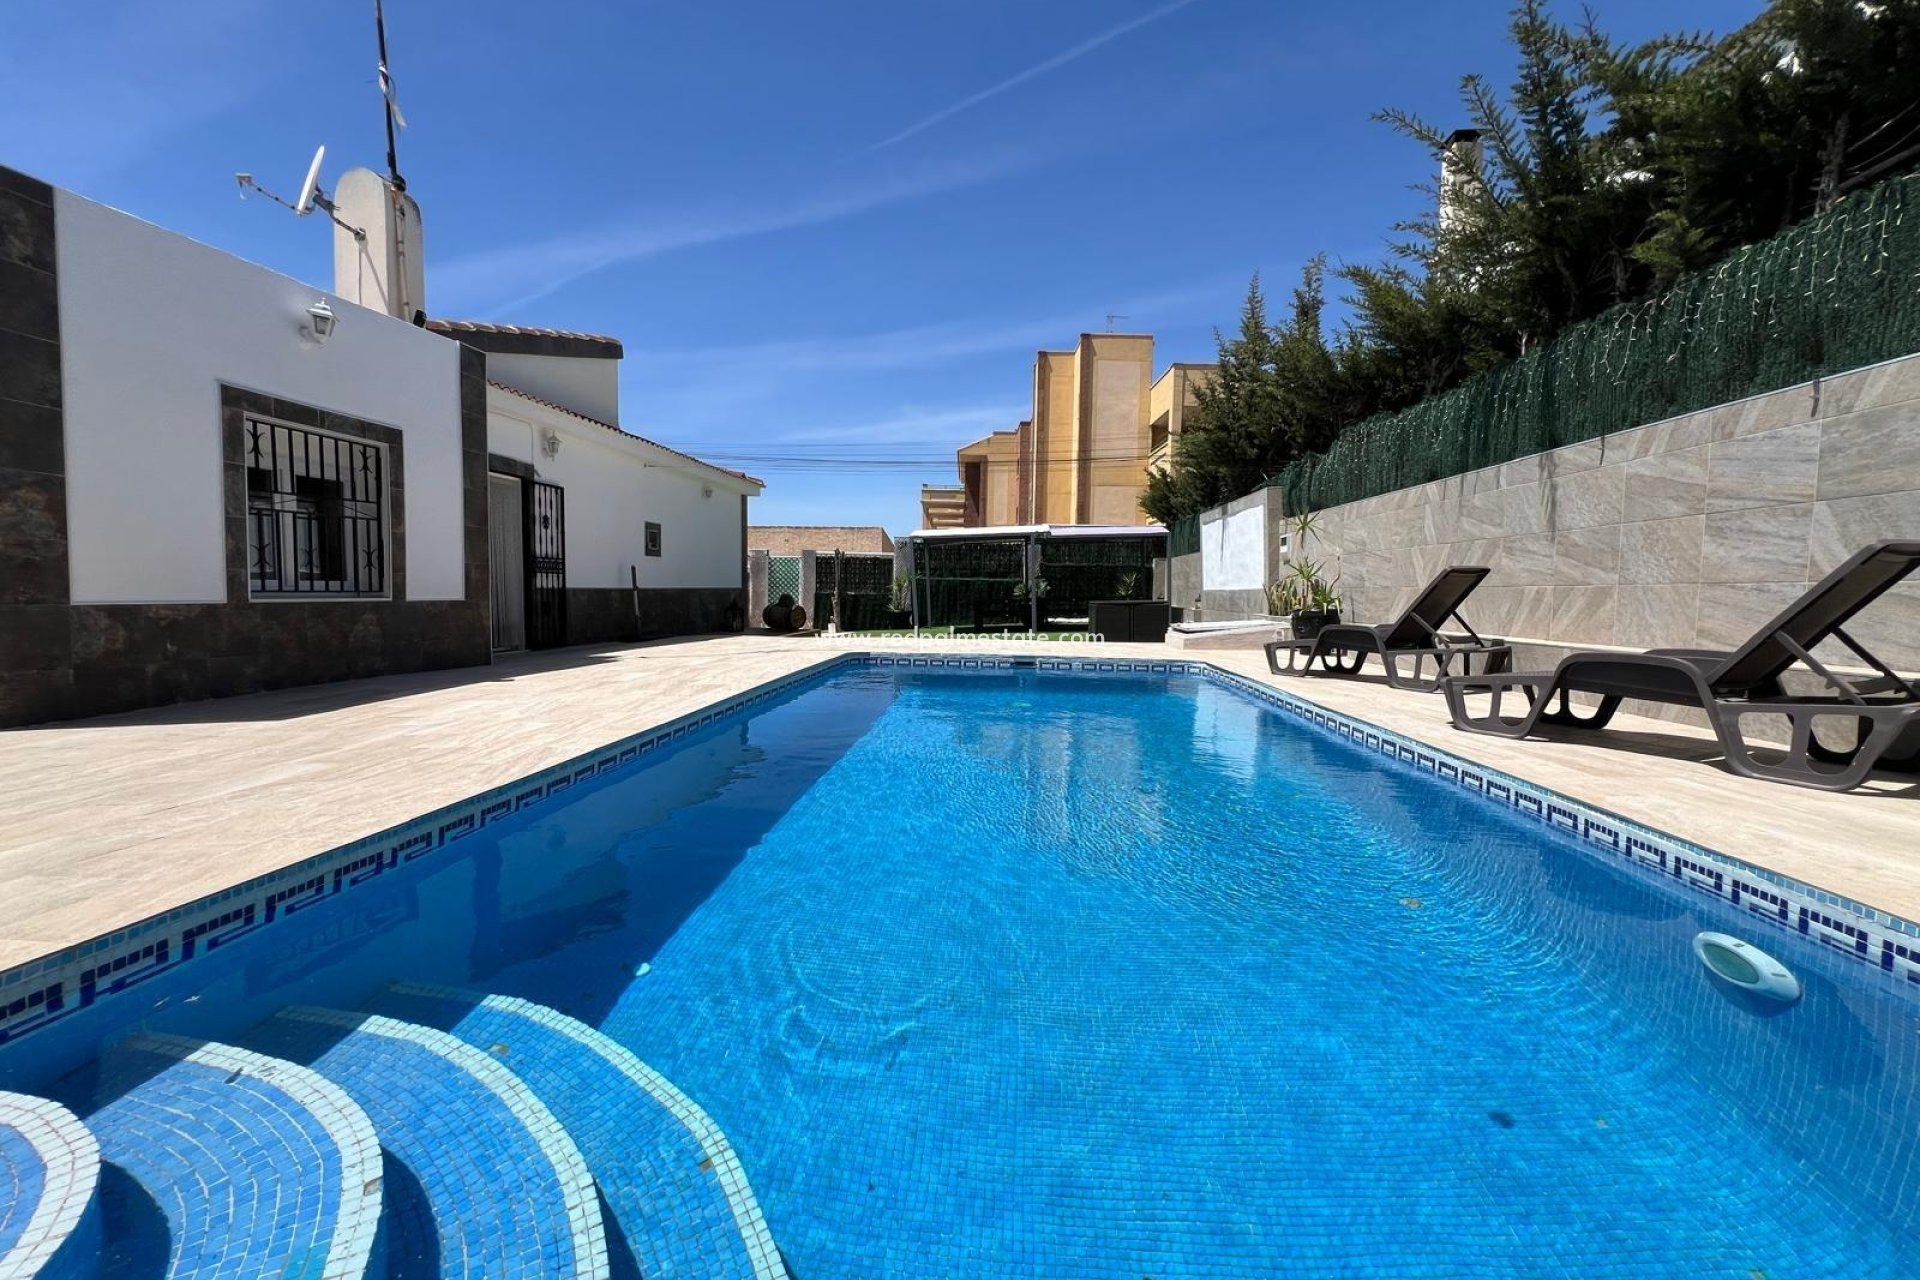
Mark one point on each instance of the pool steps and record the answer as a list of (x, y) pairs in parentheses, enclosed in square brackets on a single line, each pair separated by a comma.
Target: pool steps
[(50, 1176), (221, 1162), (480, 1174), (678, 1200), (440, 1132)]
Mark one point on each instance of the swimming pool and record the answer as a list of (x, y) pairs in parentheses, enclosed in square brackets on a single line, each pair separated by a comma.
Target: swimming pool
[(1012, 972)]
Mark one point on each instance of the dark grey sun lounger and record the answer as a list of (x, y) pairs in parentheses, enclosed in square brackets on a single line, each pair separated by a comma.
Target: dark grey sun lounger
[(1885, 708), (1342, 649)]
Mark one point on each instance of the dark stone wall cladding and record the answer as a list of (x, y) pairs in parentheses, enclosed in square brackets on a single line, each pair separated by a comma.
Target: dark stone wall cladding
[(596, 615), (60, 661), (35, 649)]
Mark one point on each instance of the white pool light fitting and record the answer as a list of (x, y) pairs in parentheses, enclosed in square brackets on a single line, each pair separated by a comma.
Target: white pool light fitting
[(1743, 965)]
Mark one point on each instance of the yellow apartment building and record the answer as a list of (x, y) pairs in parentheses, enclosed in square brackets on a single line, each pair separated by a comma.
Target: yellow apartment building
[(1100, 419)]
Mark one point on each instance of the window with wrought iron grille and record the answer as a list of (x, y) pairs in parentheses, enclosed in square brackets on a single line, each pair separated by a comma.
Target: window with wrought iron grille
[(316, 512)]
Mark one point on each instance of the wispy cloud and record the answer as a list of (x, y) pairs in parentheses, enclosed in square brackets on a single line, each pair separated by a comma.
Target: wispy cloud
[(926, 428), (1033, 72), (925, 346), (501, 280)]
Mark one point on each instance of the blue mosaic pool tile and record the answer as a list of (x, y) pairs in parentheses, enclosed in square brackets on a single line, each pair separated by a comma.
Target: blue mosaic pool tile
[(674, 1185), (49, 1178), (53, 987), (224, 1163), (481, 1178), (1884, 944)]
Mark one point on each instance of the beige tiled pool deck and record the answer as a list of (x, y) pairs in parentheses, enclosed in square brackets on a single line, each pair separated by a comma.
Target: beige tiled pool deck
[(108, 821)]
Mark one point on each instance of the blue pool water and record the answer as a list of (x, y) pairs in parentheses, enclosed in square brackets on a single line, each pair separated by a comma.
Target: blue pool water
[(1028, 974)]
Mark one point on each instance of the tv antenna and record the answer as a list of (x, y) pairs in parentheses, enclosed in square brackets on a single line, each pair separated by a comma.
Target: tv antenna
[(388, 100), (311, 195), (1113, 316)]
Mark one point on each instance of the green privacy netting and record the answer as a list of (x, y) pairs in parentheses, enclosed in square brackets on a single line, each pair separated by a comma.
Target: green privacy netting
[(1077, 571), (1183, 536), (1836, 292), (983, 583), (866, 590), (972, 582)]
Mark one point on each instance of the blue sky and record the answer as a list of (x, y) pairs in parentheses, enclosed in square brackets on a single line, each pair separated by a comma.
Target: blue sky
[(830, 230)]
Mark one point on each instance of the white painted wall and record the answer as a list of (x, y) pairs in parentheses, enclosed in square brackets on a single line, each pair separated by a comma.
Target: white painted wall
[(151, 324), (582, 384), (614, 484), (1233, 551)]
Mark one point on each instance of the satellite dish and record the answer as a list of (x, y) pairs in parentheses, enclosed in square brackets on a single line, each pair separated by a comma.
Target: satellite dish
[(307, 189), (311, 196)]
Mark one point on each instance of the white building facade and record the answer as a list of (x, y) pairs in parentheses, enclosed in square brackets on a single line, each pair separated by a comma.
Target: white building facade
[(215, 479)]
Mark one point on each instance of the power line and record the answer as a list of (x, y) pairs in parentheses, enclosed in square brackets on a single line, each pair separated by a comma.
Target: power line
[(822, 465)]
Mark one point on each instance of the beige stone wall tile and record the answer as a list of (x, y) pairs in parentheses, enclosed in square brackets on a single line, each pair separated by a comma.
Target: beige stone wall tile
[(1585, 615), (1757, 544), (1495, 608), (1692, 431), (1844, 525), (1893, 383), (1625, 446), (1889, 628), (1873, 451), (1588, 498), (1587, 557), (1524, 561), (1654, 617), (1661, 551), (1787, 407), (1764, 470), (1443, 524), (1663, 485), (1570, 459), (1842, 394), (1533, 612), (1520, 471), (1731, 612)]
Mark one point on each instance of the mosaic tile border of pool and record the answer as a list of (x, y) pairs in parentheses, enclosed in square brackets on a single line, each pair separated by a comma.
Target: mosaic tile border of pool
[(44, 991)]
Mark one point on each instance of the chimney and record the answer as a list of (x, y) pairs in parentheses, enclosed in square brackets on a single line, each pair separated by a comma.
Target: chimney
[(387, 270), (1459, 174)]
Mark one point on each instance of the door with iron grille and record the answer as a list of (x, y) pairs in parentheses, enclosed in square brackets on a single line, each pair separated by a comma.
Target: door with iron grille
[(546, 552), (506, 543)]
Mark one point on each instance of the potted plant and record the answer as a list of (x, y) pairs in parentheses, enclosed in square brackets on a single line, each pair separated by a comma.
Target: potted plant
[(1317, 603), (1306, 597)]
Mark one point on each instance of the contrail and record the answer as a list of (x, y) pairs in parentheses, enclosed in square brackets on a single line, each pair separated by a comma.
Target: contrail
[(1037, 69)]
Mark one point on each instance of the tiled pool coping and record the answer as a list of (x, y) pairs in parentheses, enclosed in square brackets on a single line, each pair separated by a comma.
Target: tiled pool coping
[(48, 989)]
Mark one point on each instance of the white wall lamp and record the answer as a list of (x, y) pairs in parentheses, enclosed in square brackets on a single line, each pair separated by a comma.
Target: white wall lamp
[(320, 322), (550, 443)]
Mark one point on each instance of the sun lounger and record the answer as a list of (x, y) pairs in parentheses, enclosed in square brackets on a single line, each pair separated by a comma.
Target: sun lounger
[(1730, 686), (1342, 649)]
